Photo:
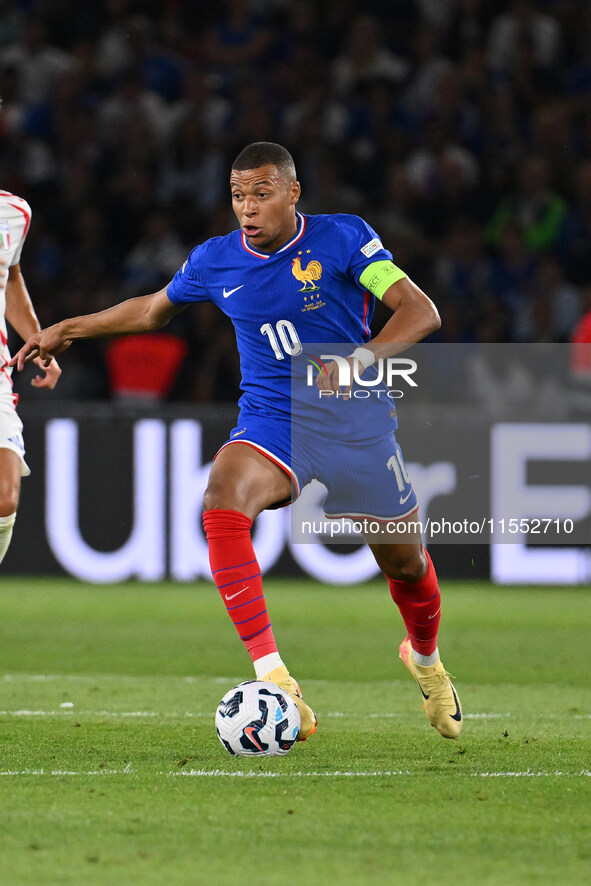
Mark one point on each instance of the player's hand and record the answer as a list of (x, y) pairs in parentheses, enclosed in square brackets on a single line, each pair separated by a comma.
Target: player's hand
[(328, 379), (44, 345), (49, 376)]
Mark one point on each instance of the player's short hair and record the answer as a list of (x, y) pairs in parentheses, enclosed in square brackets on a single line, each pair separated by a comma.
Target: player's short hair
[(263, 153)]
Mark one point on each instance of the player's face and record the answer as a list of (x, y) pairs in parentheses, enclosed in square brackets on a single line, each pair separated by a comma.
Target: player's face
[(264, 204)]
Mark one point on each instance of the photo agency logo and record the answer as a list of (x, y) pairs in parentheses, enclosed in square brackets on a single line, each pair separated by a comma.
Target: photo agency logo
[(352, 380)]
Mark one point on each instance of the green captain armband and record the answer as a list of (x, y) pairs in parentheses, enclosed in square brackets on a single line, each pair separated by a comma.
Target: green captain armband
[(379, 276)]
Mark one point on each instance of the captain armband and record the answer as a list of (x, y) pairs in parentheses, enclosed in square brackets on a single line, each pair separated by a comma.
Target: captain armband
[(379, 276)]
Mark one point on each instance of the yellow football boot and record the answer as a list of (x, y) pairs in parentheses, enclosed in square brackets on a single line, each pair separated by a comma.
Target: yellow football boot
[(282, 678), (441, 703)]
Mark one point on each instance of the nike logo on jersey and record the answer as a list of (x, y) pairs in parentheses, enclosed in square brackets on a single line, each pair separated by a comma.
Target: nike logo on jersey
[(406, 497), (228, 292), (237, 594)]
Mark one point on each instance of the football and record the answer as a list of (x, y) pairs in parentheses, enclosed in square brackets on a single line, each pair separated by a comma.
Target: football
[(256, 719)]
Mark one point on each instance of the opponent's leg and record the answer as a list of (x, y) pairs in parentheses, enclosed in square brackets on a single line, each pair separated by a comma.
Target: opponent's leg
[(10, 481), (413, 585), (242, 483)]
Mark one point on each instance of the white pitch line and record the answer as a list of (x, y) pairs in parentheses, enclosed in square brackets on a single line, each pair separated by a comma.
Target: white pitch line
[(586, 773), (226, 773), (88, 678), (337, 773), (80, 711), (33, 713), (386, 773), (46, 678), (15, 772)]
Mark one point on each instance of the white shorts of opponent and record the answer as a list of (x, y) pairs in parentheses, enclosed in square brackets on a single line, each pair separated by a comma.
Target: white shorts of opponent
[(11, 431)]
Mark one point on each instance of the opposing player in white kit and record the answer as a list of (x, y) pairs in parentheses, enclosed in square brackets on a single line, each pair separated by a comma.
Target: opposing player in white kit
[(17, 308)]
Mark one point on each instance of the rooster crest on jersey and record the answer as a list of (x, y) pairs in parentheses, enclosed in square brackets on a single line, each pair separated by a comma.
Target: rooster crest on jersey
[(307, 275)]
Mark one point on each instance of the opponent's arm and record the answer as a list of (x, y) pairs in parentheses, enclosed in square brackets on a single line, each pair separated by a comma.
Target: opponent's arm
[(143, 314), (21, 315)]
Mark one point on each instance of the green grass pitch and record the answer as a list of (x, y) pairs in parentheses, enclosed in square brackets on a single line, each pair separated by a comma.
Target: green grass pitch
[(111, 772)]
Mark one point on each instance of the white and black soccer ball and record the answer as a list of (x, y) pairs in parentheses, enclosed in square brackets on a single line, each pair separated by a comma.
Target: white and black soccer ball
[(256, 719)]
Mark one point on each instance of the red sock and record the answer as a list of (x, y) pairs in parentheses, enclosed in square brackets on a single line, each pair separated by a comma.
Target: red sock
[(420, 607), (237, 575)]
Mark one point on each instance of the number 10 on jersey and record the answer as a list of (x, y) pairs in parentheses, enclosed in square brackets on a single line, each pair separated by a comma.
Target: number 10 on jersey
[(283, 338)]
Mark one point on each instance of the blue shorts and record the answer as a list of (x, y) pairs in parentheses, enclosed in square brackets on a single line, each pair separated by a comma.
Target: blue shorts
[(363, 479)]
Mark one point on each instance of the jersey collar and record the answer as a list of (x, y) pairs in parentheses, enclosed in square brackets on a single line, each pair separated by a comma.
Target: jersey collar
[(298, 236)]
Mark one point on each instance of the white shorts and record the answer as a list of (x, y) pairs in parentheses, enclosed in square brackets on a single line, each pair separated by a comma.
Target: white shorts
[(11, 431)]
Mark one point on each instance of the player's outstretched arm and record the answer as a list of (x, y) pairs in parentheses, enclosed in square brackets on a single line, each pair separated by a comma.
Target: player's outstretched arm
[(21, 315), (143, 314)]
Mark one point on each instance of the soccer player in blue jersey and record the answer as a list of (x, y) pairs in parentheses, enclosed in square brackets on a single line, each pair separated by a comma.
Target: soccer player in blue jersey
[(258, 275)]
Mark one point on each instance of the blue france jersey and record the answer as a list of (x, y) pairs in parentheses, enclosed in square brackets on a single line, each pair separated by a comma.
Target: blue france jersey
[(307, 291)]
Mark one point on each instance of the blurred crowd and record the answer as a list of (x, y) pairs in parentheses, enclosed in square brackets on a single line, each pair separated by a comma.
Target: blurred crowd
[(460, 129)]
